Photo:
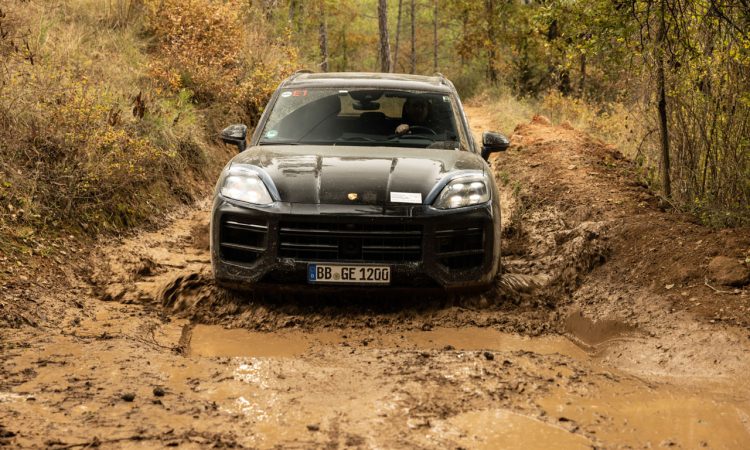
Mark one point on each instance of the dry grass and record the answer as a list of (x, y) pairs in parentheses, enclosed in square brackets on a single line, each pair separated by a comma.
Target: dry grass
[(633, 131), (611, 122), (506, 109), (96, 134)]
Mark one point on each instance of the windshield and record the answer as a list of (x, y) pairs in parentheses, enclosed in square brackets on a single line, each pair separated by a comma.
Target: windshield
[(365, 117)]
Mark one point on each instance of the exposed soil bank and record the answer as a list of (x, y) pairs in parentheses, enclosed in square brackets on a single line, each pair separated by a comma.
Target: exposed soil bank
[(604, 332)]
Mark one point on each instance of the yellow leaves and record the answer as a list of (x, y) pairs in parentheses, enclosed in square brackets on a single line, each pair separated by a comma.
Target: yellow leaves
[(69, 153), (204, 46), (200, 41)]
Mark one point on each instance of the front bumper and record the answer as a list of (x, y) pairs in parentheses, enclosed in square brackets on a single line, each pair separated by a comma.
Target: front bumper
[(270, 247)]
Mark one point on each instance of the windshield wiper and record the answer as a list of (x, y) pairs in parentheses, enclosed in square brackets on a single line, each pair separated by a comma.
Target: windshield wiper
[(278, 143)]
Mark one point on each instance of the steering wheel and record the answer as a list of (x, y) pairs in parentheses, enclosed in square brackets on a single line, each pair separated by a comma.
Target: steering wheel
[(420, 127)]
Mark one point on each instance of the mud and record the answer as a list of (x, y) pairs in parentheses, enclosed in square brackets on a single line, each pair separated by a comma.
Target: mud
[(580, 344), (212, 341), (592, 334)]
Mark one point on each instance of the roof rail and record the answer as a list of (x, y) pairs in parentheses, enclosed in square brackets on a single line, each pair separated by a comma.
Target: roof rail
[(300, 71), (295, 75), (443, 80)]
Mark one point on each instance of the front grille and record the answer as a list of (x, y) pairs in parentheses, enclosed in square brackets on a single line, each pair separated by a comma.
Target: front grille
[(241, 239), (317, 241), (461, 247)]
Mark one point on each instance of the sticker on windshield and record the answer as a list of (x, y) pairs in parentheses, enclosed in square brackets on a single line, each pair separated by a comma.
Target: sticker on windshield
[(286, 94), (406, 197), (272, 134)]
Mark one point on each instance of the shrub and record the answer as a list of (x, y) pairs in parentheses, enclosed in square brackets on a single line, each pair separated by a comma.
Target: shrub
[(198, 47), (73, 153), (220, 52)]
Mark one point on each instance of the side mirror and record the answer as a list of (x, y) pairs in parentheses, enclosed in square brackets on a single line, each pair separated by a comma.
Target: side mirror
[(235, 135), (493, 142)]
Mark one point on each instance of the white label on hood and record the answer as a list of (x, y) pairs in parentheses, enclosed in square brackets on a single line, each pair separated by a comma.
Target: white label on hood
[(406, 197)]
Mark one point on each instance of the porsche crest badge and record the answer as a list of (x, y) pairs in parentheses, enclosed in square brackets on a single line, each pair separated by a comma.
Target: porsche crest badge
[(352, 196)]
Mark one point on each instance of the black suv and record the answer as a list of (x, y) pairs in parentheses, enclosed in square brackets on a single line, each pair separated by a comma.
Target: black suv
[(358, 179)]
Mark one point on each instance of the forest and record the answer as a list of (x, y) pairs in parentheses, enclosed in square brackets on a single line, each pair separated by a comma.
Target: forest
[(674, 74), (109, 109)]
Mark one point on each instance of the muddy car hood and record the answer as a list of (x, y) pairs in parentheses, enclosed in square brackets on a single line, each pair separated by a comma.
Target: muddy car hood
[(377, 175)]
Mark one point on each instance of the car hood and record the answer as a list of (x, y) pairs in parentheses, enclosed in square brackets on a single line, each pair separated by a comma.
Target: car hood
[(356, 175)]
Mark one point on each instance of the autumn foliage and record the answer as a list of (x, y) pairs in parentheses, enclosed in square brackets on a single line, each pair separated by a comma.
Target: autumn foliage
[(109, 113), (209, 48), (198, 47), (71, 152)]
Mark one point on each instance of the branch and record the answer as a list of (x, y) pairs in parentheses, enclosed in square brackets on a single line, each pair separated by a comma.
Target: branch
[(720, 14), (718, 291)]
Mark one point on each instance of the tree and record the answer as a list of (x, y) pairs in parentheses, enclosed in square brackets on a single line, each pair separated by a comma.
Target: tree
[(398, 34), (385, 51), (323, 38), (662, 95), (413, 41), (491, 40), (435, 37)]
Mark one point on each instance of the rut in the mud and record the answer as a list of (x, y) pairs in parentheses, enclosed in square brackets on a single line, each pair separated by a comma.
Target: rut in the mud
[(544, 260)]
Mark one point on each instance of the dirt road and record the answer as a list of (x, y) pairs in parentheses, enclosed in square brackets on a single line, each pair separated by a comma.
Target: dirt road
[(603, 333)]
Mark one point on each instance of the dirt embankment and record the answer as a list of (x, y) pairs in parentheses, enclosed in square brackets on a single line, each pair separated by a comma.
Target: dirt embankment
[(610, 328)]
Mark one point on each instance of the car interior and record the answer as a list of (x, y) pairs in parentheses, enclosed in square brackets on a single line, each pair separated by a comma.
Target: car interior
[(362, 117)]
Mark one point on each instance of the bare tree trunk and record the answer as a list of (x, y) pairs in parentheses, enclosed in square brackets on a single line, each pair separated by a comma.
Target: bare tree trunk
[(662, 94), (435, 38), (413, 41), (344, 56), (491, 38), (385, 51), (292, 10), (582, 82), (323, 38), (398, 35)]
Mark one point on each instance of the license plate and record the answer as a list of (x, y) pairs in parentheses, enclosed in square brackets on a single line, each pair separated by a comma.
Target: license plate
[(348, 274)]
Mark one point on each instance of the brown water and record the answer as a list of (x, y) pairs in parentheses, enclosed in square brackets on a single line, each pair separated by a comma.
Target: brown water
[(599, 407), (592, 333), (443, 388), (213, 341)]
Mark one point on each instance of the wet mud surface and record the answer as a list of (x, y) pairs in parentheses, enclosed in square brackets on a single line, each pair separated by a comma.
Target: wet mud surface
[(580, 344)]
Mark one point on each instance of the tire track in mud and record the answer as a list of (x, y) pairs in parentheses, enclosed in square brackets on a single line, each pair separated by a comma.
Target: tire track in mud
[(170, 268)]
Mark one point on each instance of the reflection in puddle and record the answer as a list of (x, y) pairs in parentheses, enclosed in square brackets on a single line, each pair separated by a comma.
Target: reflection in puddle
[(256, 373), (11, 397), (250, 372), (593, 333)]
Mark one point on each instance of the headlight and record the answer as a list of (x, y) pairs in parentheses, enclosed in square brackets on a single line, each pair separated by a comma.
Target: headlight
[(246, 186), (463, 191)]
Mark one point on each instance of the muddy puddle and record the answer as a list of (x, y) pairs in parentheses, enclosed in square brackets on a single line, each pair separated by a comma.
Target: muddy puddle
[(572, 400), (593, 334), (213, 341)]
